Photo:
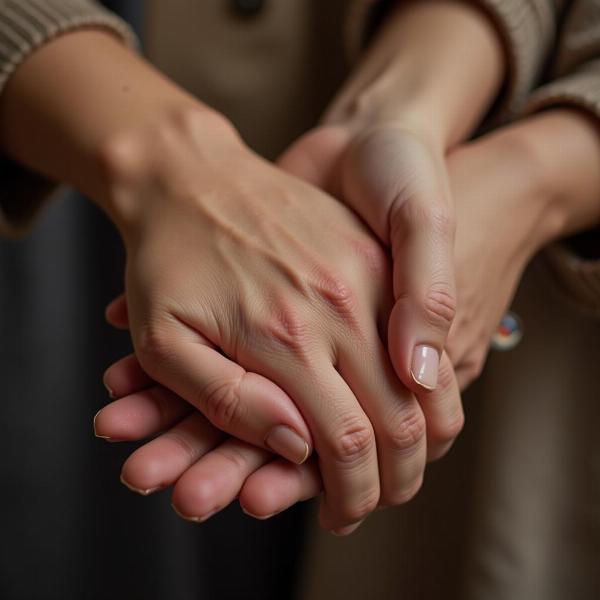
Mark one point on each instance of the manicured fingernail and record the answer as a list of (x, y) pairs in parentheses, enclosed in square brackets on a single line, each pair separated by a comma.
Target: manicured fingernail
[(139, 491), (424, 368), (102, 437), (195, 519), (260, 517), (286, 442), (344, 531)]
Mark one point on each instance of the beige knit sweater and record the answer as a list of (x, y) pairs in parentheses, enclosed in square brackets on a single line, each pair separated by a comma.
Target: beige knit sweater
[(554, 50)]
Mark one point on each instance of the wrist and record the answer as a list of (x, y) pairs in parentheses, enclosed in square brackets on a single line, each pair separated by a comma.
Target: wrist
[(436, 66), (160, 153), (521, 163), (567, 182)]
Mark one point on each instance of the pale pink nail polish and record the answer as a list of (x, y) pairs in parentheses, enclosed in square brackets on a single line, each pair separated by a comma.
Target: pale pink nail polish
[(425, 365), (287, 443)]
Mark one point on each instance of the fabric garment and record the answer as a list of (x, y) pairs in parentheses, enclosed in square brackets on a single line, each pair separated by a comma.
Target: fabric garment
[(510, 514)]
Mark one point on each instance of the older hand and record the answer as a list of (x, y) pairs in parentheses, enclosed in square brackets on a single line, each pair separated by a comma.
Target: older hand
[(245, 292), (395, 179)]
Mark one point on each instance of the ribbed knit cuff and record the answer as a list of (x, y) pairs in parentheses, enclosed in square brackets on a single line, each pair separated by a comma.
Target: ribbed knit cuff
[(25, 25), (527, 29), (579, 277), (580, 89)]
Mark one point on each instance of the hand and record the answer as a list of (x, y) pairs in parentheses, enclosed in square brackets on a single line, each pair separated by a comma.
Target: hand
[(274, 300), (207, 468), (381, 150), (204, 486), (514, 194), (395, 179)]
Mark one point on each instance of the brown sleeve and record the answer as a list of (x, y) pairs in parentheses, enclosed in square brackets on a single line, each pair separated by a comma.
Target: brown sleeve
[(25, 25)]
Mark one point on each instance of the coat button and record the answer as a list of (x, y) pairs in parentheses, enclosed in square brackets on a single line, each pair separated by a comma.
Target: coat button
[(247, 8)]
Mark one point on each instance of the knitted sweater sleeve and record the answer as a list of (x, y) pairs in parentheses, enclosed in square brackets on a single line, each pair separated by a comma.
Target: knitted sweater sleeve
[(25, 25)]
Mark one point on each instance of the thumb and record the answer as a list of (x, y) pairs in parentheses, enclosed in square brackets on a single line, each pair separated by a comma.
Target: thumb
[(398, 183)]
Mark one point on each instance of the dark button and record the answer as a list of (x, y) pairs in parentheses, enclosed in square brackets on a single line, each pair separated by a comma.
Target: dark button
[(248, 8)]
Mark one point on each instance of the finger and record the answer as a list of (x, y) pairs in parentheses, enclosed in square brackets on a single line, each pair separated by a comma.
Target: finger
[(116, 313), (422, 237), (125, 377), (278, 486), (215, 480), (396, 416), (464, 377), (398, 185), (343, 435), (159, 463), (140, 415), (443, 411), (246, 405)]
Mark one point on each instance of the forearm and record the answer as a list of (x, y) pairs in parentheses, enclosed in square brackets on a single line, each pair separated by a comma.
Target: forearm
[(69, 101), (436, 65)]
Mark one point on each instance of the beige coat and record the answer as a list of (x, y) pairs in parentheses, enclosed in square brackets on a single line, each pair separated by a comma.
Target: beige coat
[(514, 511)]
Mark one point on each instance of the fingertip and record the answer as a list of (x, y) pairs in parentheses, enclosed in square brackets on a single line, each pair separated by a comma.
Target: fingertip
[(116, 313), (125, 377)]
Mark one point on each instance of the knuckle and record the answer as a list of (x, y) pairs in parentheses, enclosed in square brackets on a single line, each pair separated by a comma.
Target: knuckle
[(405, 434), (183, 443), (234, 458), (339, 295), (222, 403), (439, 306), (440, 220), (287, 328), (354, 440)]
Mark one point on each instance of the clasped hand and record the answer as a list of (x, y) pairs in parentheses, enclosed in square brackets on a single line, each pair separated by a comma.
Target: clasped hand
[(265, 303)]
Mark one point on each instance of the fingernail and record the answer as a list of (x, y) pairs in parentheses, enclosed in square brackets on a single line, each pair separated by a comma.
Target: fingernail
[(137, 490), (260, 517), (286, 442), (102, 437), (111, 394), (425, 364), (344, 531), (195, 519)]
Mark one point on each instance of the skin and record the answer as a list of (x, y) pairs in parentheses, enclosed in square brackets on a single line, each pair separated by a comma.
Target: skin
[(552, 197), (296, 339)]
